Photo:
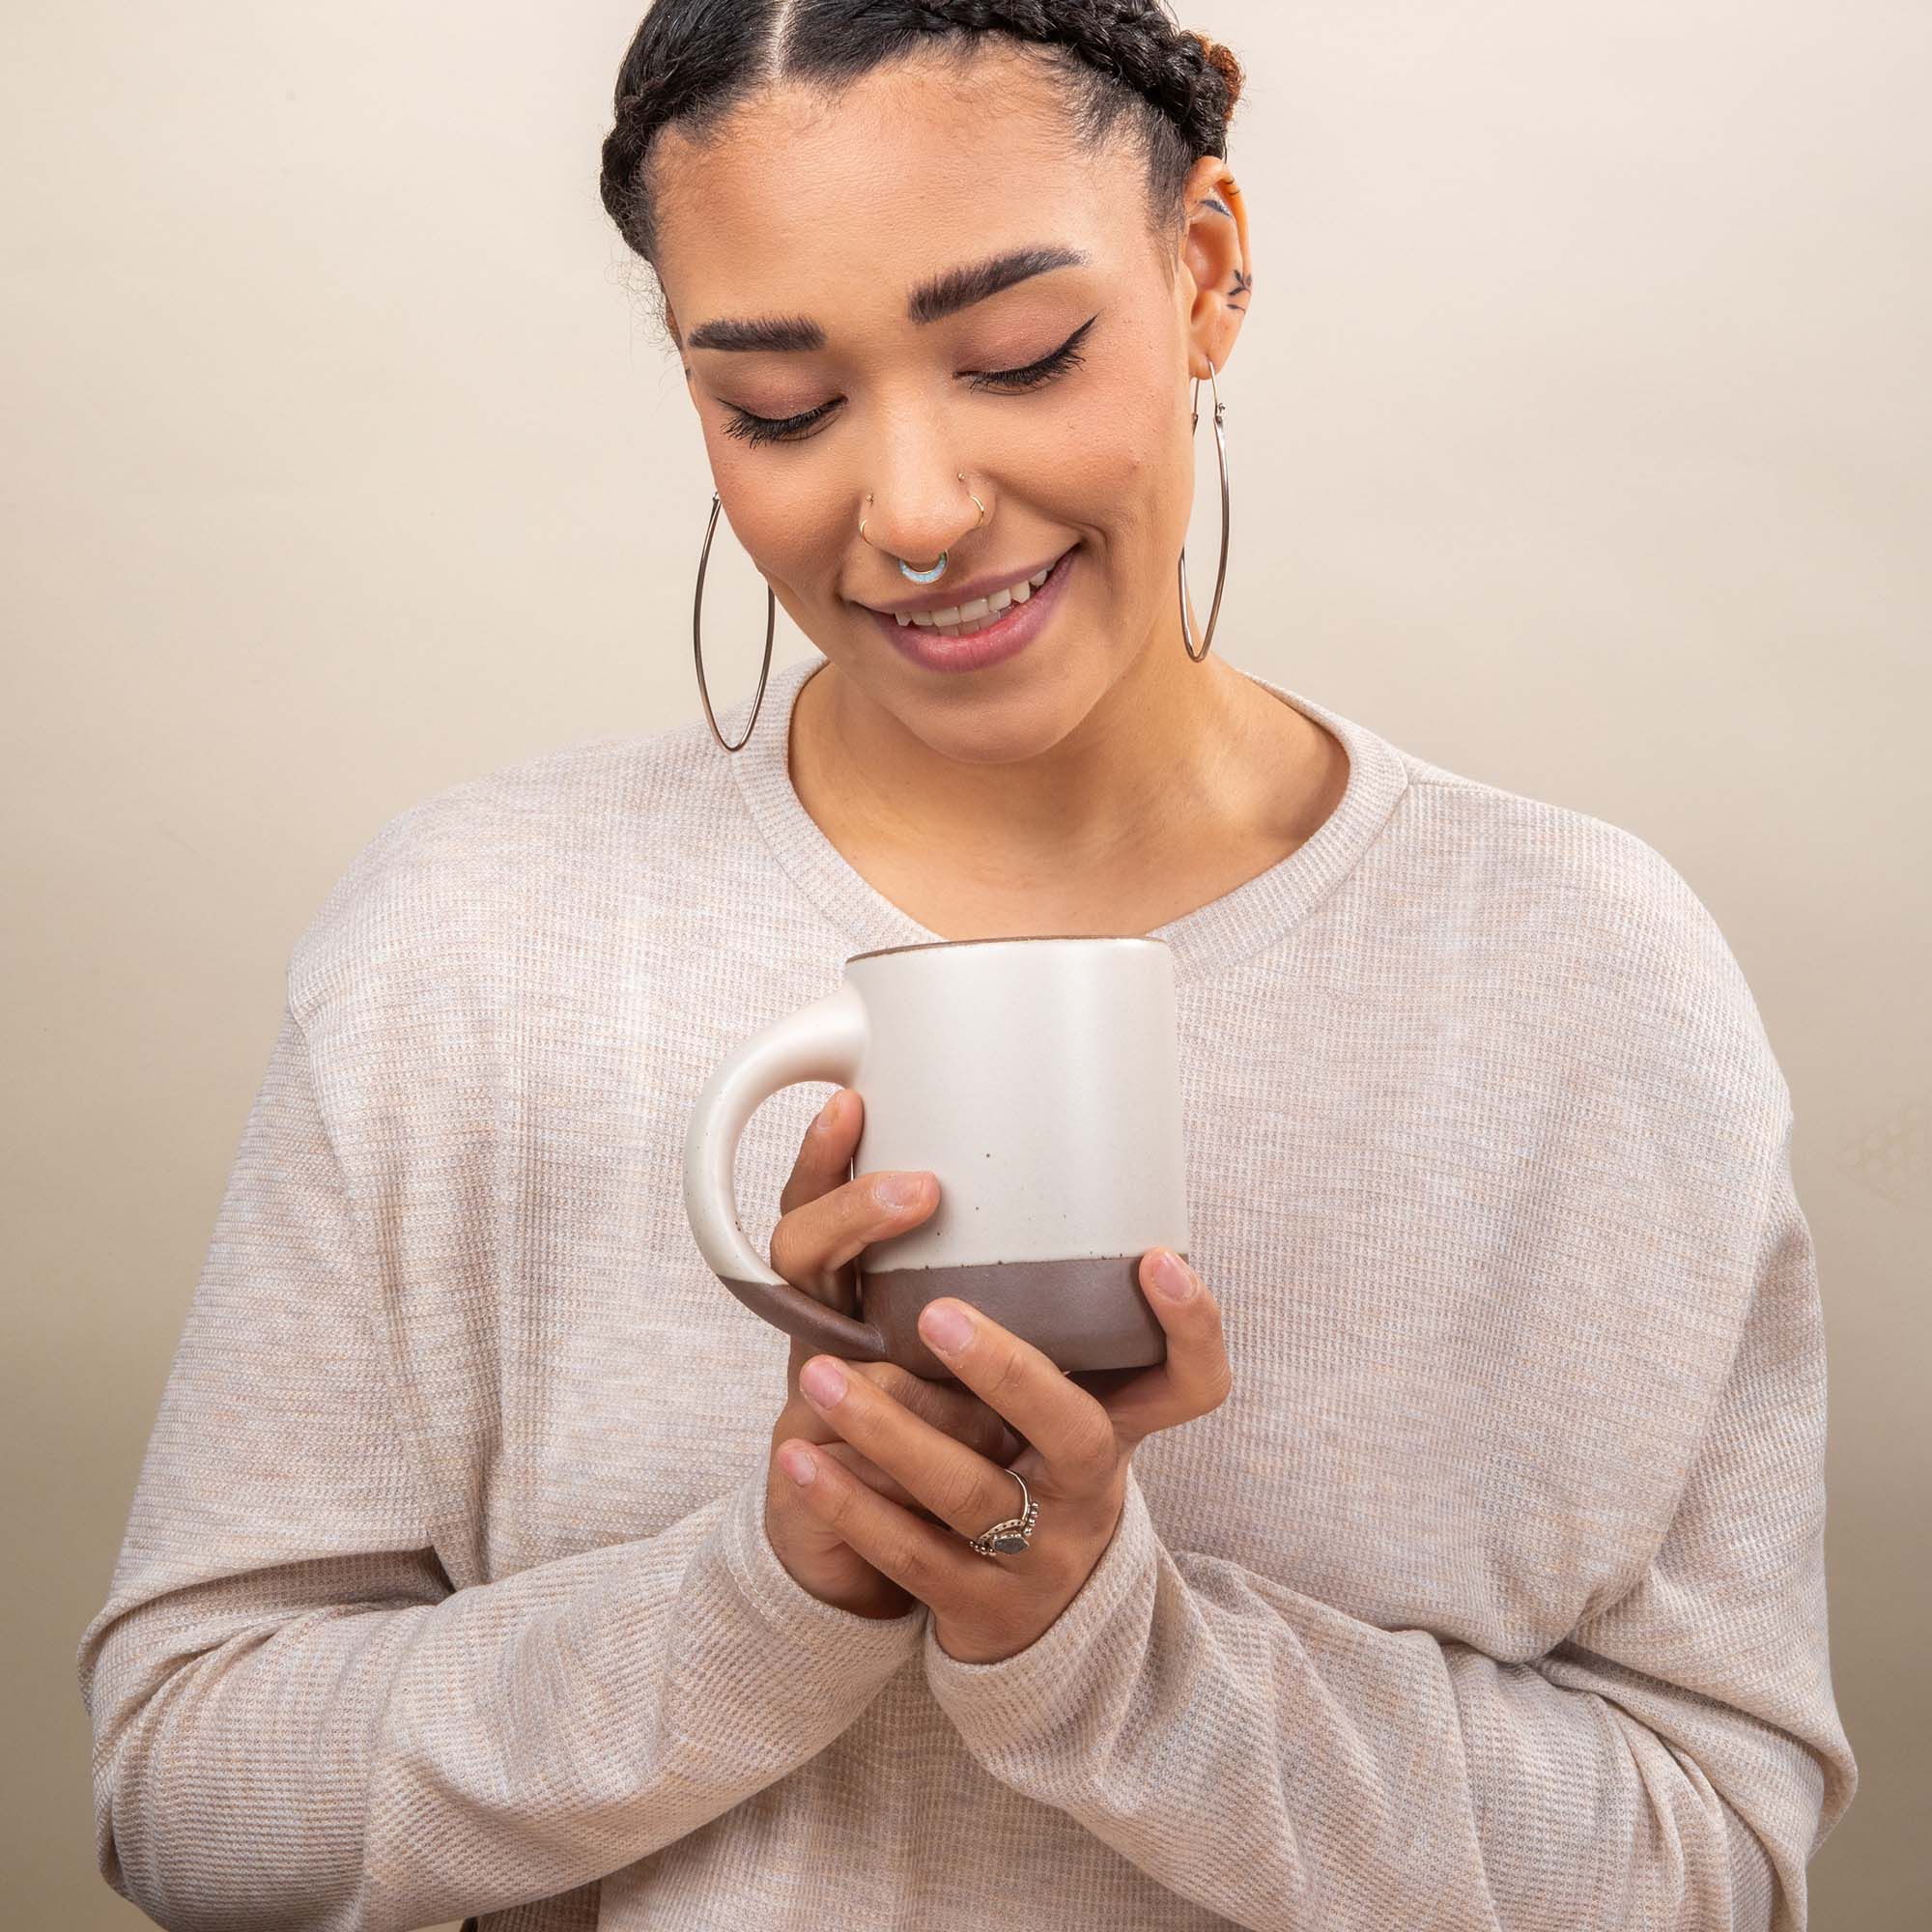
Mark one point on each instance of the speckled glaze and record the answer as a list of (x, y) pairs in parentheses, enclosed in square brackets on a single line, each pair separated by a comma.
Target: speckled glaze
[(1038, 1079)]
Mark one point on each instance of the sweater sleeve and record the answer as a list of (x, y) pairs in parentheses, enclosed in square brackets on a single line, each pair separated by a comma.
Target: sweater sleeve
[(298, 1723), (1672, 1764)]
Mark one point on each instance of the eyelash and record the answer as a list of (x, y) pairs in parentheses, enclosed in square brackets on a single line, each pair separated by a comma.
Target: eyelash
[(1014, 382)]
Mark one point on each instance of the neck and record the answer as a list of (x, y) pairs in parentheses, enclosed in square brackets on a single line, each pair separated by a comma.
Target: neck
[(1176, 760)]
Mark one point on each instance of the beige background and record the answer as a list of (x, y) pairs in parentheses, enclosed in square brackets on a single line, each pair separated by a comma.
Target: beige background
[(1579, 438)]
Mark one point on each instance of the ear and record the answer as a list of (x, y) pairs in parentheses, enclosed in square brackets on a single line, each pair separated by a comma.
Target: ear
[(1214, 252)]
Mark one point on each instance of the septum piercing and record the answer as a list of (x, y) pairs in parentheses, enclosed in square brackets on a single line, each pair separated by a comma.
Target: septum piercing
[(933, 575)]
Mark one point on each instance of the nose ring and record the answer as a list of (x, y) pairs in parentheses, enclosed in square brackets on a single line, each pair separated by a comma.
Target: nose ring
[(938, 570)]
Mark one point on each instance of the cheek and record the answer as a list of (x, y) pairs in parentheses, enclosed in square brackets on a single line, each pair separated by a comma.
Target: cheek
[(783, 524), (1127, 476), (1123, 457)]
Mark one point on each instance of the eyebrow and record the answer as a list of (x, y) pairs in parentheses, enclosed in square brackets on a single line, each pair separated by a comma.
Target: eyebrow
[(939, 296)]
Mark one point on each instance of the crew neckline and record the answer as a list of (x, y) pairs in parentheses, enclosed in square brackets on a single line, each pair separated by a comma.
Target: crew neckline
[(1216, 934)]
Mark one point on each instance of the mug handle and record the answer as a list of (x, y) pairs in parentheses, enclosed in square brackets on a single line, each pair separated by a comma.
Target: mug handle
[(822, 1042)]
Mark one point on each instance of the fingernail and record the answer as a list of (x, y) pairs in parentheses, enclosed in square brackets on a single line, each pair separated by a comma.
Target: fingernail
[(824, 1116), (1173, 1278), (798, 1465), (902, 1190), (947, 1325), (823, 1381)]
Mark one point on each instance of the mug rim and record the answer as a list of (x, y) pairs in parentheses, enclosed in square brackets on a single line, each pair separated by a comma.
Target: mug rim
[(1015, 939)]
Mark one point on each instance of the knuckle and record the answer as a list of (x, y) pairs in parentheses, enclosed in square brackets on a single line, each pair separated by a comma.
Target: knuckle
[(801, 1256), (1097, 1446), (899, 1385), (962, 1498), (910, 1566), (979, 1430), (786, 1241), (895, 1379), (832, 1503), (1005, 1377)]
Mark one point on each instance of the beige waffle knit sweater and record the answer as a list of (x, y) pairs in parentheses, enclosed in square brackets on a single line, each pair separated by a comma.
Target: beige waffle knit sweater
[(1492, 1599)]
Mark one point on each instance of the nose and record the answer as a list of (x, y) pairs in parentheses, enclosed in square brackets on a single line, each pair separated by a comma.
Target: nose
[(918, 517)]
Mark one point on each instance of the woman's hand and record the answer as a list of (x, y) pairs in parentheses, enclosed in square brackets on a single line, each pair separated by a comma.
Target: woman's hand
[(1081, 1432), (826, 1220)]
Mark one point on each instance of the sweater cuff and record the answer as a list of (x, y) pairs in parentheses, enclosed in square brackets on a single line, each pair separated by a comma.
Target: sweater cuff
[(870, 1647), (1016, 1702)]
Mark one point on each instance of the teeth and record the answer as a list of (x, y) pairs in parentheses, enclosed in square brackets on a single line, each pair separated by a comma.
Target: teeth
[(968, 617)]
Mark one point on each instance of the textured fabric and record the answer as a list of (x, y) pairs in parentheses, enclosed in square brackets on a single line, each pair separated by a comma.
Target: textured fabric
[(1491, 1598)]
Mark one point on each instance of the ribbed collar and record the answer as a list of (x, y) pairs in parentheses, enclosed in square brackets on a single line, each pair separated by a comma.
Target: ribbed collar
[(1226, 929)]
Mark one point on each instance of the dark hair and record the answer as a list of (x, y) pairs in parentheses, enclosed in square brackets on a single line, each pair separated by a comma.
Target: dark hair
[(694, 61)]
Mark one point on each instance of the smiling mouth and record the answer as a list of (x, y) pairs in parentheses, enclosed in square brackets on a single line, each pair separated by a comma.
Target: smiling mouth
[(976, 613)]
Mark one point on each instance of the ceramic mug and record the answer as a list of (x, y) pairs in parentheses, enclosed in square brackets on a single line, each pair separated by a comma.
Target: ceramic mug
[(1039, 1081)]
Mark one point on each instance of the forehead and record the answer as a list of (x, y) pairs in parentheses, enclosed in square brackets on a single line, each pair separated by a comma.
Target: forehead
[(805, 193)]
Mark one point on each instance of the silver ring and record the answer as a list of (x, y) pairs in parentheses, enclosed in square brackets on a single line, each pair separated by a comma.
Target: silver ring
[(1015, 1534)]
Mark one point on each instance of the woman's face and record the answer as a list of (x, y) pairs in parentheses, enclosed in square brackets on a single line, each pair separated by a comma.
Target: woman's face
[(828, 214)]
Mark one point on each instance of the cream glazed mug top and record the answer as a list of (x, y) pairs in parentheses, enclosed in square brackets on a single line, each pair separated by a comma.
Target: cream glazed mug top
[(1038, 1080)]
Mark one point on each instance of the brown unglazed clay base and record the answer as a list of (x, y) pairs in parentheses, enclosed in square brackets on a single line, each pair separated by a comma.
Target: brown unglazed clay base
[(1085, 1313)]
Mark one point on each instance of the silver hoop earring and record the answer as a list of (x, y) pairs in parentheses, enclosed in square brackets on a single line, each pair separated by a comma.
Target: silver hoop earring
[(1221, 577), (698, 638)]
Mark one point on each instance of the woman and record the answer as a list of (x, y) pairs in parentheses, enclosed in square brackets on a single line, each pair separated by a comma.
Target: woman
[(1460, 1568)]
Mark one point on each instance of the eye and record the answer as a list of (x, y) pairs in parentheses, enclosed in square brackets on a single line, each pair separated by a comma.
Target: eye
[(751, 429), (771, 429), (1067, 357)]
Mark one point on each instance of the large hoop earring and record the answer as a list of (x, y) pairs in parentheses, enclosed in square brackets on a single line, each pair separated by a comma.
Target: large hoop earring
[(1221, 579), (698, 637)]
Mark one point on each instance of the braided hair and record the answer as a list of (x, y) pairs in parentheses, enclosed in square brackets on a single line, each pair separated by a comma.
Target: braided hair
[(694, 61)]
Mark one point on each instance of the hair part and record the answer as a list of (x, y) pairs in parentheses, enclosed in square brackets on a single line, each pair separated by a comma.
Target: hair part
[(1124, 66)]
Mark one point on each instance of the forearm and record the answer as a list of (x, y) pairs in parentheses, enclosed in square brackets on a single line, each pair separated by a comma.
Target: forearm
[(368, 1765), (1294, 1769)]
